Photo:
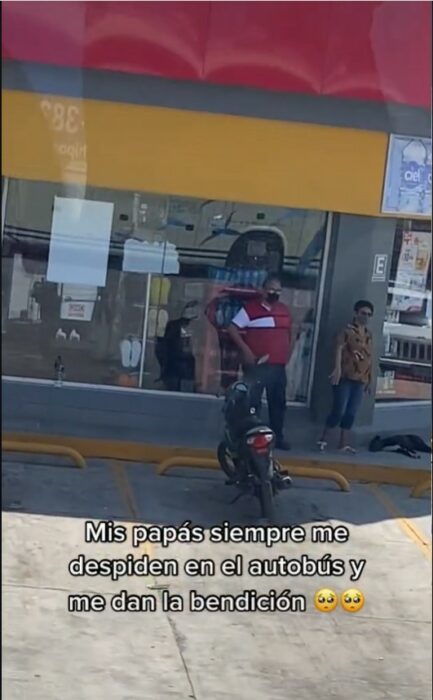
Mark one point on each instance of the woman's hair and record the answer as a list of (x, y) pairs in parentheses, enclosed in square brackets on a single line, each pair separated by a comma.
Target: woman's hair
[(362, 304)]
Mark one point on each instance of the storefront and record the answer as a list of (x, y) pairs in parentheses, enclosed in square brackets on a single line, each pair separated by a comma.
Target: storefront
[(146, 195), (143, 297), (134, 290), (159, 288)]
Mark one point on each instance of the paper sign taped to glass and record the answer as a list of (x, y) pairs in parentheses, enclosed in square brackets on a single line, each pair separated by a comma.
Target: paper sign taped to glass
[(150, 258), (77, 310), (78, 302), (410, 288), (80, 241)]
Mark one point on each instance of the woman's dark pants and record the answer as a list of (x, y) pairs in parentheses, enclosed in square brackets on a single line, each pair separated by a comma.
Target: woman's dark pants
[(347, 400)]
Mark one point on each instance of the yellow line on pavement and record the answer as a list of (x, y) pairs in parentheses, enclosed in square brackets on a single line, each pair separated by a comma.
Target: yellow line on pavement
[(124, 488), (406, 525), (128, 498)]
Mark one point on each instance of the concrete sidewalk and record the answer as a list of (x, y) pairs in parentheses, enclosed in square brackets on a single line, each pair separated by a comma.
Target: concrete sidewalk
[(381, 652), (178, 420)]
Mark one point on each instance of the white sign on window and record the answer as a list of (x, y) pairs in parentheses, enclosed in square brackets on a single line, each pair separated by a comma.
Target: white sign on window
[(146, 257), (408, 177), (412, 271), (80, 242), (379, 267), (78, 302)]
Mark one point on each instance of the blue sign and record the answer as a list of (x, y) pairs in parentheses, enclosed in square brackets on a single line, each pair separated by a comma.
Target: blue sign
[(408, 187)]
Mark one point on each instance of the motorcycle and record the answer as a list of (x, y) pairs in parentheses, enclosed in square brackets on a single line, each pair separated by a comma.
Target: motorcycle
[(246, 452)]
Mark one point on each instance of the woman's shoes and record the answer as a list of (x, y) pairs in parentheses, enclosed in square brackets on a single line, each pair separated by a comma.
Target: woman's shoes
[(349, 449)]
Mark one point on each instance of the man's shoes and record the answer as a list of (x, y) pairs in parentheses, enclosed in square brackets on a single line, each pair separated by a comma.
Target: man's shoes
[(282, 444), (285, 482)]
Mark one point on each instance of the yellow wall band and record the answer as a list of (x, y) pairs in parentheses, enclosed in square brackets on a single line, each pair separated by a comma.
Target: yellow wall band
[(152, 149)]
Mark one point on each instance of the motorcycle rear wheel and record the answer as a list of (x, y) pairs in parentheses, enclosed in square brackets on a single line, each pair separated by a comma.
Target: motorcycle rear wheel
[(227, 463), (266, 499)]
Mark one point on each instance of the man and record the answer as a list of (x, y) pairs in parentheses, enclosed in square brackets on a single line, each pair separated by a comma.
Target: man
[(267, 325), (351, 376), (174, 351)]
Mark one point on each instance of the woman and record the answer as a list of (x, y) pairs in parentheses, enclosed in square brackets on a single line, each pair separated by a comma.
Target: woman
[(351, 376)]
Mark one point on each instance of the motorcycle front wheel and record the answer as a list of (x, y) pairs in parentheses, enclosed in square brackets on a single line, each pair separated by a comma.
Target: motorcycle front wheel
[(226, 461)]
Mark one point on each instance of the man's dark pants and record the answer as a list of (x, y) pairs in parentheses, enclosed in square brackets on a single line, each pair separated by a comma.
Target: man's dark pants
[(271, 378)]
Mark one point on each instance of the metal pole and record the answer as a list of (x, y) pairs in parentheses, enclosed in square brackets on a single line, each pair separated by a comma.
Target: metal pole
[(4, 200), (145, 323), (320, 295)]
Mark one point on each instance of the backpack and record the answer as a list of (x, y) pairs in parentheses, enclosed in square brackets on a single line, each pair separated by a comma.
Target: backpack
[(407, 445)]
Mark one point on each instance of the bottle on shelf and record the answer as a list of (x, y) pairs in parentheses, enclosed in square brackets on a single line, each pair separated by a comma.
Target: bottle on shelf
[(59, 369)]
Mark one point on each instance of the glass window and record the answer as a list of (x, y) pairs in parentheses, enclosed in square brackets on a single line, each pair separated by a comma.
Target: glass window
[(405, 364), (176, 271)]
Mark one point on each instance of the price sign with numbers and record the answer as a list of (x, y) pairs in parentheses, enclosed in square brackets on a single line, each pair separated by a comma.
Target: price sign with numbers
[(62, 116), (65, 120)]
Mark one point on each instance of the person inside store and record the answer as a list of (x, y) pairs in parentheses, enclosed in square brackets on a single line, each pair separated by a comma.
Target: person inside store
[(46, 295), (262, 329), (352, 374), (174, 351)]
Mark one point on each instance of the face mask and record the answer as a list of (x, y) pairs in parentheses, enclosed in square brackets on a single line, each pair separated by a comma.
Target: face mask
[(189, 314), (363, 319), (272, 296)]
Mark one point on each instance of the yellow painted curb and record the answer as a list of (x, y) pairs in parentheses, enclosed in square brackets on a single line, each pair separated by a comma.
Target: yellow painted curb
[(42, 448), (148, 453), (421, 488), (295, 469)]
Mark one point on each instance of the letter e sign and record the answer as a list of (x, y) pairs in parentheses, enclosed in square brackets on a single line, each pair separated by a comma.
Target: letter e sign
[(380, 268)]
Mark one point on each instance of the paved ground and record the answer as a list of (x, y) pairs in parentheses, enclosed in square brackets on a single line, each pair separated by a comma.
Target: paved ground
[(386, 458), (382, 652)]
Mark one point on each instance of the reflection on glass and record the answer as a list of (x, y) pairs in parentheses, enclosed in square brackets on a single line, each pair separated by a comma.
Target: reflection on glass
[(405, 364), (178, 270)]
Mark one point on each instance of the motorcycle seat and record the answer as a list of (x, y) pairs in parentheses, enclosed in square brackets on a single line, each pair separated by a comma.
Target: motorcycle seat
[(246, 424)]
